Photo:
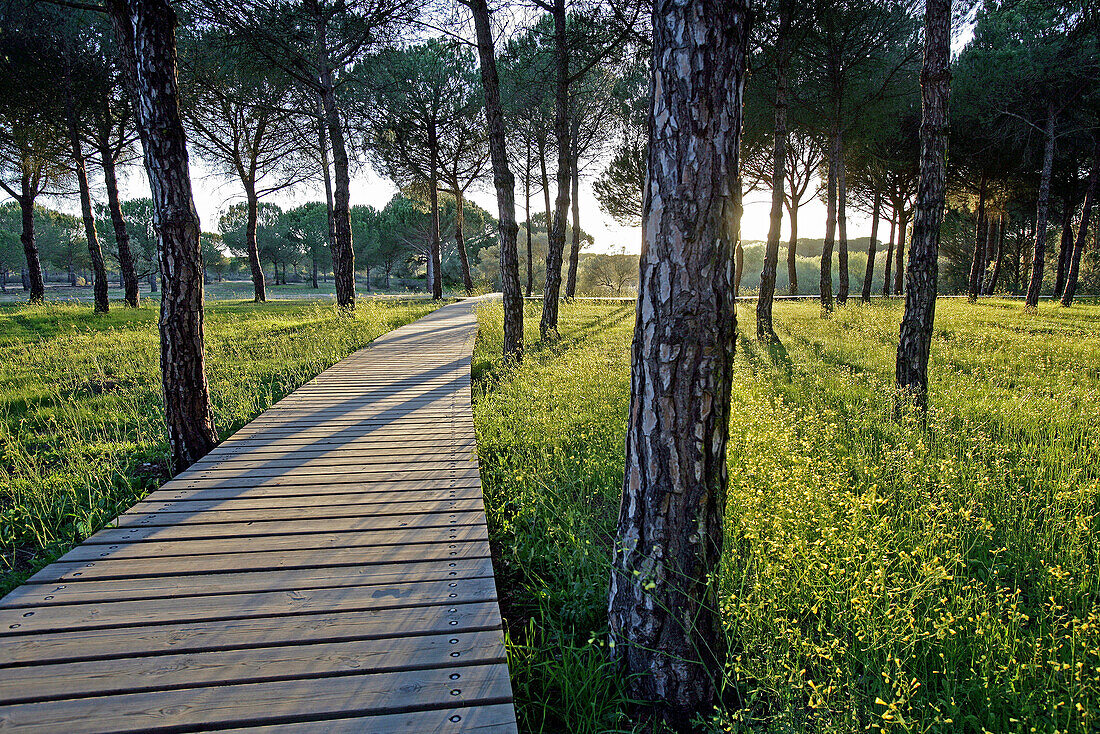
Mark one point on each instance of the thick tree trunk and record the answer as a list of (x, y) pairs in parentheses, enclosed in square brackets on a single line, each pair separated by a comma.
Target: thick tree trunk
[(872, 248), (259, 287), (436, 271), (899, 252), (915, 340), (575, 245), (122, 236), (979, 245), (1065, 245), (664, 613), (95, 251), (1035, 285), (326, 173), (764, 328), (460, 240), (545, 187), (825, 283), (145, 30), (30, 247), (842, 228), (1082, 232), (886, 281), (792, 251), (548, 325), (504, 183)]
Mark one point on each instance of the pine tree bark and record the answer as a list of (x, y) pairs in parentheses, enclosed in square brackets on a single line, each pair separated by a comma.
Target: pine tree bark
[(527, 202), (575, 245), (991, 287), (825, 283), (118, 222), (34, 275), (842, 228), (664, 618), (915, 339), (80, 168), (343, 251), (1035, 284), (460, 240), (765, 329), (504, 183), (1065, 245), (1073, 271), (436, 271), (259, 286), (886, 280), (979, 244), (145, 32), (899, 252), (548, 325), (792, 250), (990, 252), (872, 247)]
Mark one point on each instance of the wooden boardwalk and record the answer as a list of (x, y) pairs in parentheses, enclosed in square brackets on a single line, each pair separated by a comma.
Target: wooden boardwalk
[(326, 569)]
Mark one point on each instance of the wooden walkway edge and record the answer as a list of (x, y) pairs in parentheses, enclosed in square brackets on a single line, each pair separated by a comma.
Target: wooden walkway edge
[(325, 569)]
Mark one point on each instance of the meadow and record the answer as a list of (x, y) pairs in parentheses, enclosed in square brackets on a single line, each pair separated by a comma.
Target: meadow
[(81, 423), (880, 574)]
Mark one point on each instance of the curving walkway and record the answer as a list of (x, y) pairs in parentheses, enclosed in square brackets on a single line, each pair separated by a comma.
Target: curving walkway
[(326, 569)]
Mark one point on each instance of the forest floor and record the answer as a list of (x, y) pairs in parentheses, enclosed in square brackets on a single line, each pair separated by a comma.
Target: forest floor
[(81, 424), (879, 575)]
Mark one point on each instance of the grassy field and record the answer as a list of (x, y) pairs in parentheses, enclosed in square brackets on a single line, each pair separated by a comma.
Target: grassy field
[(879, 576), (81, 425)]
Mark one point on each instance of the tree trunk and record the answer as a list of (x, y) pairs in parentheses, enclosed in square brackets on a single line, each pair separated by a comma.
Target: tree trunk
[(899, 252), (30, 247), (343, 252), (842, 228), (889, 254), (872, 248), (1082, 232), (259, 287), (764, 328), (575, 246), (145, 31), (322, 144), (95, 251), (826, 281), (989, 254), (436, 271), (527, 192), (991, 287), (915, 340), (1035, 285), (504, 183), (664, 612), (1065, 245), (24, 274), (548, 325), (792, 247), (122, 236), (463, 259), (979, 245), (313, 281)]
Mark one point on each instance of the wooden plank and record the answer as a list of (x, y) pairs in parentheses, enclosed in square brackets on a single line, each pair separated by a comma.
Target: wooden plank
[(229, 471), (275, 514), (398, 490), (341, 453), (345, 479), (178, 587), (257, 703), (63, 571), (283, 540), (282, 662), (169, 502), (493, 719), (73, 617)]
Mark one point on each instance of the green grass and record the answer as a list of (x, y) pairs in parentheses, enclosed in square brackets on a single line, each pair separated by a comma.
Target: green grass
[(81, 423), (878, 576)]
